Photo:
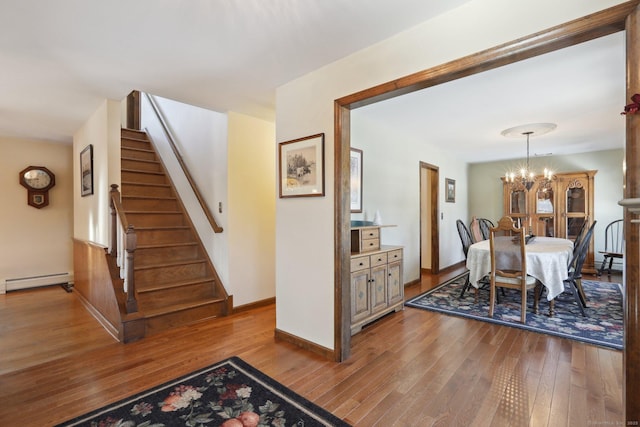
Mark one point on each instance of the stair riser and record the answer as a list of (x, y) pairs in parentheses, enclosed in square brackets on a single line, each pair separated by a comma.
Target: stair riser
[(184, 317), (167, 297), (146, 190), (141, 165), (154, 256), (169, 274), (155, 220), (136, 154), (158, 205), (141, 177), (133, 143), (132, 133), (160, 237)]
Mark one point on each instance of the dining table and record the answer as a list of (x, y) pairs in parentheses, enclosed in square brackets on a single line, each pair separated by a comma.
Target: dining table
[(547, 260)]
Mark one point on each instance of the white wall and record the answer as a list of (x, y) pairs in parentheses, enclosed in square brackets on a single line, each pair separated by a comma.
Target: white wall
[(200, 136), (391, 185), (35, 242), (251, 208), (305, 106), (91, 213)]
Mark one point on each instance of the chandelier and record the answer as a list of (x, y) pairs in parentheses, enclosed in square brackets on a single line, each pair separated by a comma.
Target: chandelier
[(527, 177)]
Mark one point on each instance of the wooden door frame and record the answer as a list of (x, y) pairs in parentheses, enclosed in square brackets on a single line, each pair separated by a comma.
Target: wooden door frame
[(433, 206), (625, 16)]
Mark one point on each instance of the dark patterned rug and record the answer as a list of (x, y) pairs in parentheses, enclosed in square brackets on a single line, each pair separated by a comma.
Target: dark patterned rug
[(603, 324), (230, 393)]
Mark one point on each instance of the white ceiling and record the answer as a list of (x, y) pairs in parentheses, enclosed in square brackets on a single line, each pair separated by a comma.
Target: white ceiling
[(580, 88), (60, 59)]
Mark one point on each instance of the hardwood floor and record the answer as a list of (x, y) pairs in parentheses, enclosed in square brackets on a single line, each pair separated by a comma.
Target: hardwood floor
[(411, 368)]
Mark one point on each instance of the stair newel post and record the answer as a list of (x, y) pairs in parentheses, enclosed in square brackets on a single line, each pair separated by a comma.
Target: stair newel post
[(114, 221), (130, 247)]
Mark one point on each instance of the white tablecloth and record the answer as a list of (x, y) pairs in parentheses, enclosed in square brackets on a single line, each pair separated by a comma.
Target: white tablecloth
[(547, 261)]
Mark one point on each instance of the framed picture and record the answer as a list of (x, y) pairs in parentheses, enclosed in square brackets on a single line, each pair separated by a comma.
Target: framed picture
[(356, 180), (86, 171), (302, 167), (450, 187)]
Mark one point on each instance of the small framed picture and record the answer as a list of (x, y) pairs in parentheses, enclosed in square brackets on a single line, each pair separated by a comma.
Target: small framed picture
[(356, 180), (302, 167), (86, 171), (450, 187)]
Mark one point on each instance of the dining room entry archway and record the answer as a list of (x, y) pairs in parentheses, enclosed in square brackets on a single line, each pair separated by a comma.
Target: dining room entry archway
[(625, 16)]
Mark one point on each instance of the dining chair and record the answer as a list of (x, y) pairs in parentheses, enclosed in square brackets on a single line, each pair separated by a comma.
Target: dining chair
[(573, 282), (509, 265), (465, 239), (479, 229), (485, 225), (580, 235), (613, 244)]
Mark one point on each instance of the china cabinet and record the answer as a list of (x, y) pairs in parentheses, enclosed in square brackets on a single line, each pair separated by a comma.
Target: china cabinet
[(553, 208)]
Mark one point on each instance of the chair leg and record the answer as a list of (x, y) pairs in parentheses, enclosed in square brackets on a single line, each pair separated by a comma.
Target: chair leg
[(581, 294), (576, 296), (604, 262), (465, 288), (610, 266), (536, 298), (492, 297)]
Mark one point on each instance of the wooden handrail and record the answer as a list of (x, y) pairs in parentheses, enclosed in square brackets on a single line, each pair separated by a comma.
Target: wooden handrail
[(192, 183), (130, 245)]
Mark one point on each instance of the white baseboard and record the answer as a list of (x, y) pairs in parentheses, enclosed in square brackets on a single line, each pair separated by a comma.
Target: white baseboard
[(36, 281)]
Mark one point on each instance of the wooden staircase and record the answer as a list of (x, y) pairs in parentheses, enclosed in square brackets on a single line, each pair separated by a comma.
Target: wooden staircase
[(176, 282)]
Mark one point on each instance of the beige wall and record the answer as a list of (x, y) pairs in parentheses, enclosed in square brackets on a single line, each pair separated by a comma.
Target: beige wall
[(305, 106), (251, 208), (35, 242)]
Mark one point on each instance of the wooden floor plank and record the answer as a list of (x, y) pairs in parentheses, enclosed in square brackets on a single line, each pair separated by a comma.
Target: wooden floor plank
[(411, 368)]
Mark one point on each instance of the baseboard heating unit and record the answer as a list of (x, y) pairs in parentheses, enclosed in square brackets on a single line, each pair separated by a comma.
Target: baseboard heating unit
[(64, 279)]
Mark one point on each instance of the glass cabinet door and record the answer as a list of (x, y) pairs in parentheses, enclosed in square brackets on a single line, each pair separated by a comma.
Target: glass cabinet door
[(576, 200), (518, 202)]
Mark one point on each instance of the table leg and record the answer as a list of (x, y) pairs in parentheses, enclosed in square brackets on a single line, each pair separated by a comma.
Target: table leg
[(552, 304)]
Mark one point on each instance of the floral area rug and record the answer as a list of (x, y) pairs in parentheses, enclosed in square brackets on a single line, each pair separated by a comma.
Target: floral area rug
[(603, 324), (230, 393)]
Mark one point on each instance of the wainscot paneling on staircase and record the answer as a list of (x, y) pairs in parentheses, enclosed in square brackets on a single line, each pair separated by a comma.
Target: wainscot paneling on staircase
[(175, 281)]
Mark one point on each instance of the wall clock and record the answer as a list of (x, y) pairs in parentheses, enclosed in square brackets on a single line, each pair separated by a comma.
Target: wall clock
[(38, 180)]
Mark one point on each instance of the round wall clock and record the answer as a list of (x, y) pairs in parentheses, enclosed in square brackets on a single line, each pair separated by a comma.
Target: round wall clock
[(38, 180)]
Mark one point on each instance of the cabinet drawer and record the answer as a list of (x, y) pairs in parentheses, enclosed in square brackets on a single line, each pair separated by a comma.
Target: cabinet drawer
[(371, 233), (378, 259), (395, 255), (360, 263), (370, 245)]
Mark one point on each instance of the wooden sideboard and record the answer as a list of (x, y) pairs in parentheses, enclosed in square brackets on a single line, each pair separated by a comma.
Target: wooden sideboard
[(377, 286)]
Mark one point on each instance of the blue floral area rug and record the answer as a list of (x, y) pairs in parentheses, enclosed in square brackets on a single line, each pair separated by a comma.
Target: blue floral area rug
[(603, 324), (230, 393)]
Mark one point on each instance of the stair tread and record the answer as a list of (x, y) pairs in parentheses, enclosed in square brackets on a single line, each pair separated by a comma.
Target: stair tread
[(149, 197), (142, 171), (162, 227), (159, 311), (149, 184), (152, 212), (134, 159), (166, 245), (159, 287), (144, 150), (170, 264)]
